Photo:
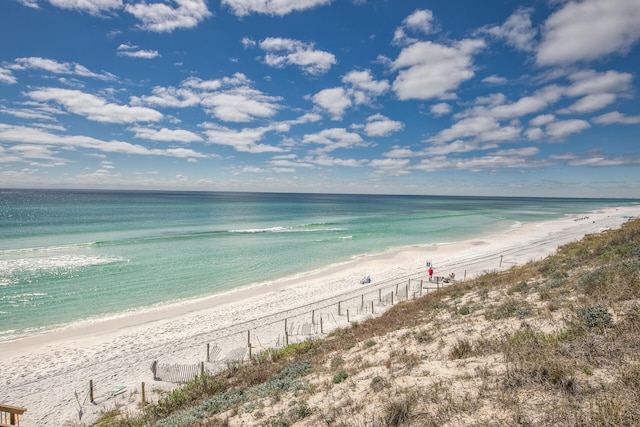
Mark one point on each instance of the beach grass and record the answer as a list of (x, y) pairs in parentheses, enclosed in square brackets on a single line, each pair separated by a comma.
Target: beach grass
[(552, 342)]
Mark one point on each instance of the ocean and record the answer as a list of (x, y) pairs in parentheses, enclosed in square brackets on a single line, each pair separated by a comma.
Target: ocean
[(70, 256)]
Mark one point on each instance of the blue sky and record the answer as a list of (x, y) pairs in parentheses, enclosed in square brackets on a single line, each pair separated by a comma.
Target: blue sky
[(510, 98)]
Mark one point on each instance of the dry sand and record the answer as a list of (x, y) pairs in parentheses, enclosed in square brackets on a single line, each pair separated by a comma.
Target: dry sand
[(49, 374)]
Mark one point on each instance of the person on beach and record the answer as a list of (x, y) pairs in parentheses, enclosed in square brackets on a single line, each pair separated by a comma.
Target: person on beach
[(430, 273)]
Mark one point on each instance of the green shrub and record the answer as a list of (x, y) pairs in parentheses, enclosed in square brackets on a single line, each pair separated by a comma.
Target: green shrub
[(340, 377), (595, 316)]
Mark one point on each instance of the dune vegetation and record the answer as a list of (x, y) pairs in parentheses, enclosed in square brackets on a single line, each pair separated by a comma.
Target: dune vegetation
[(552, 342)]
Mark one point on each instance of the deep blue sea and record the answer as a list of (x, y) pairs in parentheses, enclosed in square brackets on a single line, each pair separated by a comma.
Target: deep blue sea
[(67, 256)]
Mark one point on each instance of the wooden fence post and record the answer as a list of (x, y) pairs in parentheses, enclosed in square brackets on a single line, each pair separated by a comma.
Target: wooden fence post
[(208, 348), (339, 309), (286, 334), (380, 295), (321, 330), (313, 317), (391, 298), (144, 399), (371, 307), (347, 315), (202, 369), (501, 260), (91, 391), (420, 287)]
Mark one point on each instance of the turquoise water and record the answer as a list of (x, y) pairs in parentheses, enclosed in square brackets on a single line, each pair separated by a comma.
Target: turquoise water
[(66, 256)]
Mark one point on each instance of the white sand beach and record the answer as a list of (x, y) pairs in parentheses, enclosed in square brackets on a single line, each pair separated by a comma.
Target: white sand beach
[(49, 374)]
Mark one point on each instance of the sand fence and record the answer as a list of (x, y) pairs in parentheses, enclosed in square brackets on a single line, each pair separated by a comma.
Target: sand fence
[(243, 341)]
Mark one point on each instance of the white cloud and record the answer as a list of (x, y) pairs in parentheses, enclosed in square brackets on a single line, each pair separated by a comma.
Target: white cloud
[(134, 52), (430, 70), (93, 107), (93, 7), (229, 99), (419, 22), (363, 86), (281, 52), (496, 105), (517, 31), (390, 167), (7, 77), (616, 117), (166, 135), (242, 104), (542, 119), (590, 103), (479, 128), (334, 100), (440, 109), (457, 146), (324, 160), (271, 7), (534, 134), (563, 128), (494, 80), (379, 125), (333, 139), (29, 135), (588, 30), (590, 82), (243, 140), (162, 18), (52, 66)]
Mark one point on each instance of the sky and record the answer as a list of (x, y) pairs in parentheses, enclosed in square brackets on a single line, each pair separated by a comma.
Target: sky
[(441, 97)]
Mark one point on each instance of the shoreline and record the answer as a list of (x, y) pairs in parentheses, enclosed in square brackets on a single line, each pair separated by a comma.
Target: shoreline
[(119, 350)]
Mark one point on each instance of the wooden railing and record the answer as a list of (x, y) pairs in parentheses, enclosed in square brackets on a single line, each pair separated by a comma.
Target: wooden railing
[(10, 415)]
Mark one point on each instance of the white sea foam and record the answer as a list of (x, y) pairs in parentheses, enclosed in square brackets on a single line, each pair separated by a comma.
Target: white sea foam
[(52, 263)]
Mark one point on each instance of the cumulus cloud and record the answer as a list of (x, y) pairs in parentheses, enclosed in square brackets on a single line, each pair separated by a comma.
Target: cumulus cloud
[(271, 7), (563, 128), (166, 135), (242, 140), (589, 82), (591, 103), (6, 76), (163, 18), (360, 87), (93, 7), (132, 51), (440, 109), (247, 139), (56, 67), (419, 22), (479, 128), (616, 117), (34, 136), (429, 70), (231, 99), (281, 52), (390, 166), (517, 31), (93, 107), (334, 100), (333, 139), (379, 125), (588, 30)]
